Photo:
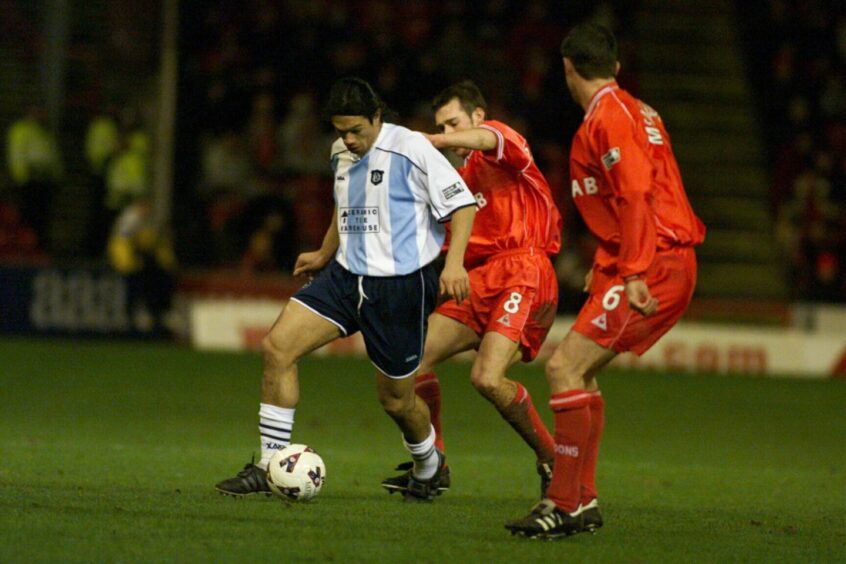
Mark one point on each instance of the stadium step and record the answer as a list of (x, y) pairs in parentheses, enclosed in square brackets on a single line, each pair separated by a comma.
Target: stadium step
[(687, 116), (725, 179), (707, 147), (691, 69), (744, 281), (704, 59), (722, 212), (738, 245)]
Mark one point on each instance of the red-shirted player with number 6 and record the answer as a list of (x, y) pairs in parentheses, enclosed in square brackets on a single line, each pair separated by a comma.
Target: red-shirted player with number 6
[(627, 187), (513, 288)]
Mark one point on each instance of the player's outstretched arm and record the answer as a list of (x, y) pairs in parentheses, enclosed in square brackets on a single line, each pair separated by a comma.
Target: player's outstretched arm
[(477, 138), (454, 280), (310, 262)]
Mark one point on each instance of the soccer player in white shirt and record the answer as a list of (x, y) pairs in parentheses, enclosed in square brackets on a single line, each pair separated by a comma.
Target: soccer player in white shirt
[(393, 192)]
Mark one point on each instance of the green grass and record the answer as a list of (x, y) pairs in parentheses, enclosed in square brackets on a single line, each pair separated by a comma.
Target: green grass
[(108, 452)]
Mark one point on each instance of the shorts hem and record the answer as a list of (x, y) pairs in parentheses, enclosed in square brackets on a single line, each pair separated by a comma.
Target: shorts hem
[(317, 313), (614, 347), (393, 377)]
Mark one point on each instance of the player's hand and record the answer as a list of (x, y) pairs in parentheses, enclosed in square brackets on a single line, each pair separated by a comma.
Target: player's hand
[(309, 263), (639, 297), (436, 139), (455, 282), (588, 280)]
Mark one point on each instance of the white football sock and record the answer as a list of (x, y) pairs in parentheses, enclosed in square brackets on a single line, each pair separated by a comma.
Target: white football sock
[(275, 424), (424, 455)]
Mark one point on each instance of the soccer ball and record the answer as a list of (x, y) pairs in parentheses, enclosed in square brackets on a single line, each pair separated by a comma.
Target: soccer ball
[(296, 473)]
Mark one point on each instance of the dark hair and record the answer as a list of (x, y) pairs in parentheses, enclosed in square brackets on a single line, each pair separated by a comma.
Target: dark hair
[(592, 49), (353, 96), (468, 94)]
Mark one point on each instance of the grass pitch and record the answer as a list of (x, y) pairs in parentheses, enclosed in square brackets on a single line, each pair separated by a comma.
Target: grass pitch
[(109, 451)]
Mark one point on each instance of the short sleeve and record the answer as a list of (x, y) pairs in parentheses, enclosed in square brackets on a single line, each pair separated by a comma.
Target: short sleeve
[(445, 188), (511, 149)]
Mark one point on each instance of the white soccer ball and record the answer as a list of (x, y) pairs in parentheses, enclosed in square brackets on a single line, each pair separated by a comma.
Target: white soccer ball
[(296, 473)]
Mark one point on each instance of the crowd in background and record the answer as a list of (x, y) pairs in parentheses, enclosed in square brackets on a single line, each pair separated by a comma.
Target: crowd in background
[(258, 75), (798, 60), (252, 187)]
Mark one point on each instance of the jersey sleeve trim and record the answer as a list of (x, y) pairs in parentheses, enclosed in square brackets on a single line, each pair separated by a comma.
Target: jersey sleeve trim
[(448, 216), (500, 140)]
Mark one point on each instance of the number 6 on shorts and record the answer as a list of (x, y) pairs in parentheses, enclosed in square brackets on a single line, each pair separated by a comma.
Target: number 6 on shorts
[(612, 297)]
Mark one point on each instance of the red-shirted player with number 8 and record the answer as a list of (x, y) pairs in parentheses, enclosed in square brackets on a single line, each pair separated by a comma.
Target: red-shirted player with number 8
[(627, 187), (513, 288)]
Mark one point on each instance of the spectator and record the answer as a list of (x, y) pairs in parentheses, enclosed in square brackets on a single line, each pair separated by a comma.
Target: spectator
[(17, 240), (806, 226), (803, 93), (254, 72), (140, 249), (301, 139), (35, 166), (102, 141), (261, 131), (227, 184), (271, 246), (127, 175)]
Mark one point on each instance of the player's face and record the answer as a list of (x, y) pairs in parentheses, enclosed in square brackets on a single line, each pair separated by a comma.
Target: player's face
[(357, 132), (453, 117)]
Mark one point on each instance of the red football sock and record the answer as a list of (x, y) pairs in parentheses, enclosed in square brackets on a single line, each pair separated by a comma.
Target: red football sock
[(597, 424), (572, 429), (428, 388), (544, 445)]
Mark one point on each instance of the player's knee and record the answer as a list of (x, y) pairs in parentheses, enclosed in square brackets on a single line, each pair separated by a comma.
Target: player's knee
[(274, 357), (563, 374), (425, 366), (396, 406), (486, 382)]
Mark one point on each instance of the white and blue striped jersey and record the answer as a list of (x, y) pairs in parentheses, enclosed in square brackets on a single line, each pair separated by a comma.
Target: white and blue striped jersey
[(391, 203)]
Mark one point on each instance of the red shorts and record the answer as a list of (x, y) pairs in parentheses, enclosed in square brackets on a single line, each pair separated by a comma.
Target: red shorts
[(607, 319), (514, 293)]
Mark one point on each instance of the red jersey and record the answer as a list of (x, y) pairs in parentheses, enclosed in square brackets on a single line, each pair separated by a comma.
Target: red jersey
[(626, 183), (515, 205)]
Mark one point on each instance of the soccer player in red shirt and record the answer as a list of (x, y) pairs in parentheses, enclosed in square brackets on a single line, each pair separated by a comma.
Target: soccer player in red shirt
[(514, 291), (627, 187)]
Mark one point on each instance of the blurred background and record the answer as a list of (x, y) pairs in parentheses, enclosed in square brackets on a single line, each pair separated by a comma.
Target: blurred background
[(166, 160)]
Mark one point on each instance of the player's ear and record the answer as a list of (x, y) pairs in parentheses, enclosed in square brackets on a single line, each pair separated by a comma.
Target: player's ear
[(616, 68), (478, 116)]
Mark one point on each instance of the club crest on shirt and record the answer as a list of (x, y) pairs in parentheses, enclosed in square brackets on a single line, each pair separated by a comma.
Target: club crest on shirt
[(376, 176), (611, 158)]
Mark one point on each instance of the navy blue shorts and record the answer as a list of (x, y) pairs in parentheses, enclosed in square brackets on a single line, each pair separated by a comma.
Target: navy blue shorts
[(392, 312)]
